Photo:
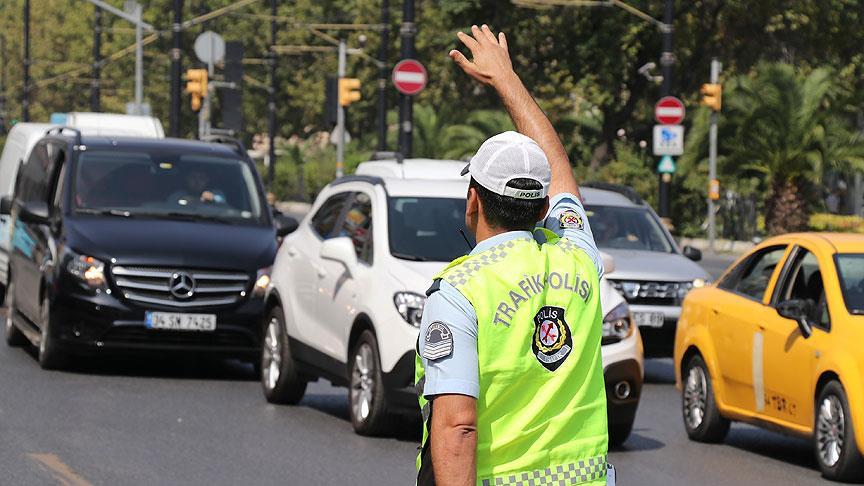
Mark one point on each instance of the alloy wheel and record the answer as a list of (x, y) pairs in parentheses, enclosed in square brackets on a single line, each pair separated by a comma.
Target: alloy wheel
[(362, 383), (830, 430), (695, 397), (271, 365)]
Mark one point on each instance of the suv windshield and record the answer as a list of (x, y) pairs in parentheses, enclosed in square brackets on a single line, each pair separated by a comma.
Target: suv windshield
[(627, 228), (166, 185), (850, 267), (427, 228)]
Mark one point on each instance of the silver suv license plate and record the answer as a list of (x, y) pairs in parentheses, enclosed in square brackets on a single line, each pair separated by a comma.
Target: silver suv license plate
[(176, 321), (648, 319)]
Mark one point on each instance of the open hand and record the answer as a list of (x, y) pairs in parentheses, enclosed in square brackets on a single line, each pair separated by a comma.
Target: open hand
[(491, 60)]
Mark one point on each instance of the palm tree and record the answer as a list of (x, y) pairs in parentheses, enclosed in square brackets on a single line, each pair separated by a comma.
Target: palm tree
[(783, 128)]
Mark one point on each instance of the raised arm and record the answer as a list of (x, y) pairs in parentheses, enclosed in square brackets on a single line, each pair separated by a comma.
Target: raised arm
[(491, 65)]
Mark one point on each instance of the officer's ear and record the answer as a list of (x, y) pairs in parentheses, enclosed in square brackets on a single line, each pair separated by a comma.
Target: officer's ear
[(545, 210), (472, 205)]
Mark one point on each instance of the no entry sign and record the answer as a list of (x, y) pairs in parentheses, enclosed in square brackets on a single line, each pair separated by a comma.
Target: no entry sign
[(669, 111), (409, 77)]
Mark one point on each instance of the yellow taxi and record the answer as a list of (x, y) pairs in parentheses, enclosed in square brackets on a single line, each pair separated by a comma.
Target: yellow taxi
[(778, 341)]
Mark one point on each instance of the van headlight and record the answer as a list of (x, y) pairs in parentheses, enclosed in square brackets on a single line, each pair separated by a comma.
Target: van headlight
[(89, 270), (617, 324), (262, 282), (410, 306)]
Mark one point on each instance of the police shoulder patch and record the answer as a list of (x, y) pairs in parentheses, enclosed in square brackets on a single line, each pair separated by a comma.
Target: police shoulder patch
[(438, 341), (570, 219)]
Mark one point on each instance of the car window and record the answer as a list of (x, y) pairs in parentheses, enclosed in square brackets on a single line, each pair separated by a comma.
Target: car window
[(428, 228), (850, 267), (328, 214), (57, 186), (627, 228), (750, 278), (804, 282), (357, 225), (33, 185)]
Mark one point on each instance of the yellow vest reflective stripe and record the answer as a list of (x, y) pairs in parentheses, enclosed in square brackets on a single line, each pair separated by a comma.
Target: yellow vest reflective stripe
[(541, 412)]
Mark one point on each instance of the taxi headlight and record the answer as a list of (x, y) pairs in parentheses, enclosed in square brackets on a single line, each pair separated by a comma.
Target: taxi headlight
[(262, 281), (617, 325), (89, 270), (410, 306)]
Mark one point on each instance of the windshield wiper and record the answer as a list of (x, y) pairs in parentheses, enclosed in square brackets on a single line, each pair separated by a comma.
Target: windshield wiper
[(405, 256), (193, 217), (106, 212)]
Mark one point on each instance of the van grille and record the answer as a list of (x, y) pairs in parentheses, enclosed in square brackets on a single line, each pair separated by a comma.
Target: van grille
[(179, 287)]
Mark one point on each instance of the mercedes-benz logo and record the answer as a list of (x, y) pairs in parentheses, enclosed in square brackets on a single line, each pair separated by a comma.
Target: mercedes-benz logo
[(181, 285)]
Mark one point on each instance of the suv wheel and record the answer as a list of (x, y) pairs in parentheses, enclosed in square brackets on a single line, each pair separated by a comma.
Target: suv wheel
[(14, 336), (368, 407), (51, 356), (702, 419), (279, 378), (834, 436)]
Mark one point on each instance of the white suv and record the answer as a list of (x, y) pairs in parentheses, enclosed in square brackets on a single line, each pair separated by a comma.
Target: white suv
[(348, 289)]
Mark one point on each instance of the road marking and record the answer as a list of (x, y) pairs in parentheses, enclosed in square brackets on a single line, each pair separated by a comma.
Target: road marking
[(61, 472), (758, 373)]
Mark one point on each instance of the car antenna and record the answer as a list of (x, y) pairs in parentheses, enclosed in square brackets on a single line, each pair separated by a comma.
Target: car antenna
[(467, 241)]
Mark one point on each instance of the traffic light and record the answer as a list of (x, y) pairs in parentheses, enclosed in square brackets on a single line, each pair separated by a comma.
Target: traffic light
[(712, 94), (196, 85), (349, 91)]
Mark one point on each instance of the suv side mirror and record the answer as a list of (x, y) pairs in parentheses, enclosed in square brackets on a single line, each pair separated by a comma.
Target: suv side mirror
[(284, 224), (340, 249), (694, 254), (34, 212), (798, 310), (6, 205), (608, 262)]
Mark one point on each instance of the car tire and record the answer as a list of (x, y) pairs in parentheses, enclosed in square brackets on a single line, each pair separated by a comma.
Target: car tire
[(834, 436), (702, 418), (619, 433), (368, 407), (280, 380), (51, 354), (14, 337)]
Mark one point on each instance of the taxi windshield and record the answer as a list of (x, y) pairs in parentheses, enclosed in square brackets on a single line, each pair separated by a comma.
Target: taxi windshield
[(427, 228), (625, 228), (850, 267), (163, 185)]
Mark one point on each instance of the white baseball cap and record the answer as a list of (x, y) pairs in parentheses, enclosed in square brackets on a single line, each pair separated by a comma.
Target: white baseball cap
[(509, 156)]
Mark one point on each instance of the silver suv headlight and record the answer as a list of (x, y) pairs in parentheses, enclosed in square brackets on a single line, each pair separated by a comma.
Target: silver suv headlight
[(617, 324), (410, 306)]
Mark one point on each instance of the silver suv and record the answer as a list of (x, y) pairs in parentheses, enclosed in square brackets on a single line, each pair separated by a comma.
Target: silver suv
[(651, 272)]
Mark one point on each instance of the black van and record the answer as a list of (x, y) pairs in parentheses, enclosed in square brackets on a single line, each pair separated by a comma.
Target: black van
[(138, 244)]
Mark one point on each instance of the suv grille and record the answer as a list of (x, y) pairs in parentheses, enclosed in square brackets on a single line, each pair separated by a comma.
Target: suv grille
[(179, 288), (652, 293)]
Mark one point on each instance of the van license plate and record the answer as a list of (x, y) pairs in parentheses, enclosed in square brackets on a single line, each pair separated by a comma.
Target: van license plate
[(648, 319), (176, 321)]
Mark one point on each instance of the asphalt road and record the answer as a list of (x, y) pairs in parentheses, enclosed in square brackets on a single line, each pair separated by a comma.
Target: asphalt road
[(175, 421)]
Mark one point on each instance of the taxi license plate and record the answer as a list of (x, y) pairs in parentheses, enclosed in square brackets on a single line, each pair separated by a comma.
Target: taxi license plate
[(176, 321), (648, 319)]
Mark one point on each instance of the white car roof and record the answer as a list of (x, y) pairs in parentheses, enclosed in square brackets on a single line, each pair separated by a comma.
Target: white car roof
[(115, 124)]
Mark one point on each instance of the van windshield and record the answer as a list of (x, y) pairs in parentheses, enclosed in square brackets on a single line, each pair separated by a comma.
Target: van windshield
[(166, 185)]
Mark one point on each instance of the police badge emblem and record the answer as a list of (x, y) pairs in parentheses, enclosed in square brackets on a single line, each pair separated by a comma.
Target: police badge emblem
[(438, 342), (570, 219), (552, 341)]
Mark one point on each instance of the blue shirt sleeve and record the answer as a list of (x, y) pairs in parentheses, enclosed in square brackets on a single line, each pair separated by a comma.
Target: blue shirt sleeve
[(562, 221), (456, 372)]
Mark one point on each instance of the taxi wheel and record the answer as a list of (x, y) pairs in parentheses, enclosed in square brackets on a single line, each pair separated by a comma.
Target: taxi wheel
[(279, 377), (51, 356), (368, 406), (14, 336), (702, 419), (834, 436)]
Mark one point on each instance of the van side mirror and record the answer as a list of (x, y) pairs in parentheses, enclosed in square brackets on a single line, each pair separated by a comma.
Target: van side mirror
[(34, 212), (6, 205), (694, 254), (285, 225), (341, 250), (798, 310)]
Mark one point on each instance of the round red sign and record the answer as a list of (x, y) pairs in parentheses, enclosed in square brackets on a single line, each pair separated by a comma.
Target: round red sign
[(409, 77), (669, 111)]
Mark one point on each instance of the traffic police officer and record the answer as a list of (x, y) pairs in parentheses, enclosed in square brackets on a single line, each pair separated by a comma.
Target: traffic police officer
[(509, 364)]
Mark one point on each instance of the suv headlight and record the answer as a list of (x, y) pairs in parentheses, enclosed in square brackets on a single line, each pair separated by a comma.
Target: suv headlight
[(617, 324), (89, 270), (685, 287), (262, 281), (410, 306)]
